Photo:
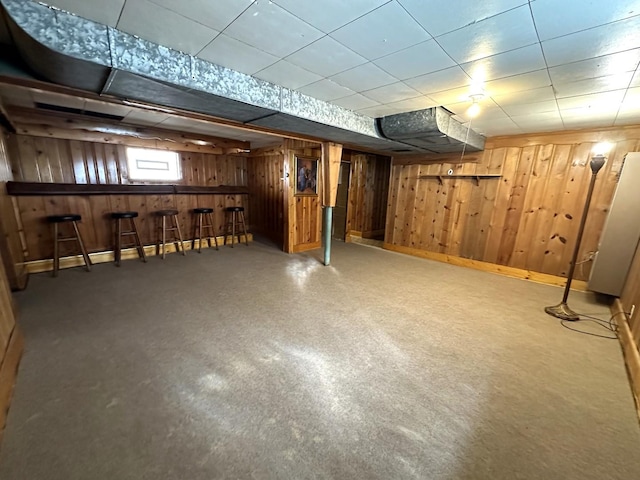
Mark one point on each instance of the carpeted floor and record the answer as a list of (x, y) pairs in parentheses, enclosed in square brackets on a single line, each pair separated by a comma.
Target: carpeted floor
[(248, 363)]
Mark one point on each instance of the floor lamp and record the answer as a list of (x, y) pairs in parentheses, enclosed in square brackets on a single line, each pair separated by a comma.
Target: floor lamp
[(562, 310)]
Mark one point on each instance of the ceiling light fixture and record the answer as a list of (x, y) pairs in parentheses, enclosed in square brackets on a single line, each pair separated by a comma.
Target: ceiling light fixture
[(474, 110)]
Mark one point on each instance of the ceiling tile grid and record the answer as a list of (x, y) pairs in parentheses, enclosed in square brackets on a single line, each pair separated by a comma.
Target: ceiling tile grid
[(379, 57)]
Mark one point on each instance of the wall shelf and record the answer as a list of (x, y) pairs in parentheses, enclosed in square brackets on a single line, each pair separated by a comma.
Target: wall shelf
[(477, 177)]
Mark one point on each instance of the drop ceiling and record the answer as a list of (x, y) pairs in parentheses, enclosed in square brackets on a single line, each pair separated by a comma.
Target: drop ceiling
[(542, 65)]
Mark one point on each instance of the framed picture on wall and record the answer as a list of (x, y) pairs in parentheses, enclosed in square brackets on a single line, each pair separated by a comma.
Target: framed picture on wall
[(306, 175)]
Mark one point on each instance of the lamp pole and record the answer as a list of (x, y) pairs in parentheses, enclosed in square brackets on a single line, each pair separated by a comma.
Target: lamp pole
[(562, 310)]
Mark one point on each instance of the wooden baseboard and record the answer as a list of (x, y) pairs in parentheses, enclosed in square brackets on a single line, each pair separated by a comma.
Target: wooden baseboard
[(537, 277), (629, 350), (46, 265), (8, 373), (303, 247)]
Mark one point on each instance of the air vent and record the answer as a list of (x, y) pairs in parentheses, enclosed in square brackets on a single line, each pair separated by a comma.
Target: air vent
[(402, 150), (77, 111)]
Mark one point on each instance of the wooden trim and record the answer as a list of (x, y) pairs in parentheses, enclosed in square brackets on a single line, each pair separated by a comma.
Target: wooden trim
[(42, 188), (8, 373), (46, 265), (219, 190), (569, 137), (426, 159), (629, 350), (303, 247), (537, 277)]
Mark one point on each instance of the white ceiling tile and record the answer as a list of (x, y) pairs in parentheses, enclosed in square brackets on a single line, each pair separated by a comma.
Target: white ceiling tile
[(540, 122), (326, 57), (287, 75), (234, 54), (553, 20), (581, 121), (423, 58), (99, 11), (548, 106), (218, 14), (442, 17), (518, 83), (514, 62), (378, 111), (392, 93), (355, 102), (507, 31), (635, 81), (363, 77), (266, 26), (142, 117), (412, 104), (159, 25), (438, 81), (592, 104), (58, 99), (455, 95), (593, 85), (490, 127), (385, 30), (329, 15), (596, 67), (107, 108), (632, 118), (326, 90), (631, 99), (534, 95), (596, 42), (10, 95)]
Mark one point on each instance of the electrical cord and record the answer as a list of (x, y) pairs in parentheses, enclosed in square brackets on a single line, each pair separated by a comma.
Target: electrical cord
[(609, 325)]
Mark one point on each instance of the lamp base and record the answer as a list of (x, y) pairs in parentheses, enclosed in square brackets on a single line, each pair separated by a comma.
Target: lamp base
[(563, 312)]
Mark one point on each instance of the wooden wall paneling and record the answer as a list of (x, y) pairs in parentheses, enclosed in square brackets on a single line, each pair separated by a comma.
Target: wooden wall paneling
[(112, 164), (515, 205), (528, 222), (42, 149), (402, 180), (183, 204), (80, 168), (392, 203), (462, 209), (29, 169), (543, 241), (98, 223), (145, 220)]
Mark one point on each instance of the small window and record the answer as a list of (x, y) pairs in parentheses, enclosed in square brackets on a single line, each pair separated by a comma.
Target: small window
[(153, 165)]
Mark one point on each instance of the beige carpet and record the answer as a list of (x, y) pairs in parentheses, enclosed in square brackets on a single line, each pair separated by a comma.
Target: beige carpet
[(247, 363)]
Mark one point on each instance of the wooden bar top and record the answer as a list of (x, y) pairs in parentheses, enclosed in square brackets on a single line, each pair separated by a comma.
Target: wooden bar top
[(41, 188)]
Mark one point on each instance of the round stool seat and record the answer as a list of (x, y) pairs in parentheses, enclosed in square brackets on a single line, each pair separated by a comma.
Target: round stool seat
[(71, 217), (124, 214), (203, 210), (235, 209), (167, 213)]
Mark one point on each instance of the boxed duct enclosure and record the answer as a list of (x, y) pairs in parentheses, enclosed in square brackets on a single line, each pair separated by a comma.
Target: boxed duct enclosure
[(431, 129)]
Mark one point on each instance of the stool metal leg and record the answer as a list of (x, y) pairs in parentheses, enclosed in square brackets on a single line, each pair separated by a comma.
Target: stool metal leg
[(139, 245), (200, 216), (233, 228), (244, 228), (164, 237), (87, 262), (118, 250), (177, 222), (56, 250), (213, 231)]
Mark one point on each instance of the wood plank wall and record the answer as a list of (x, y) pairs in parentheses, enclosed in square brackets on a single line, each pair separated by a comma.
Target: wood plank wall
[(631, 296), (37, 159), (11, 248), (527, 219), (304, 213), (368, 191), (265, 170)]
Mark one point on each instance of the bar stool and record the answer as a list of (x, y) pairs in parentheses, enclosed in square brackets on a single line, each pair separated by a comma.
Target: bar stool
[(173, 216), (203, 221), (56, 220), (235, 215), (117, 251)]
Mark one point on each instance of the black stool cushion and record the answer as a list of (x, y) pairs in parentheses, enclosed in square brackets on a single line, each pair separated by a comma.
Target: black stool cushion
[(70, 217), (235, 209), (203, 210), (167, 213), (124, 214)]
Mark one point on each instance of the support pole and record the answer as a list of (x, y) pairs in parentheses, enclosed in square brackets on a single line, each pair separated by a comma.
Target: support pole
[(328, 219), (562, 310)]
